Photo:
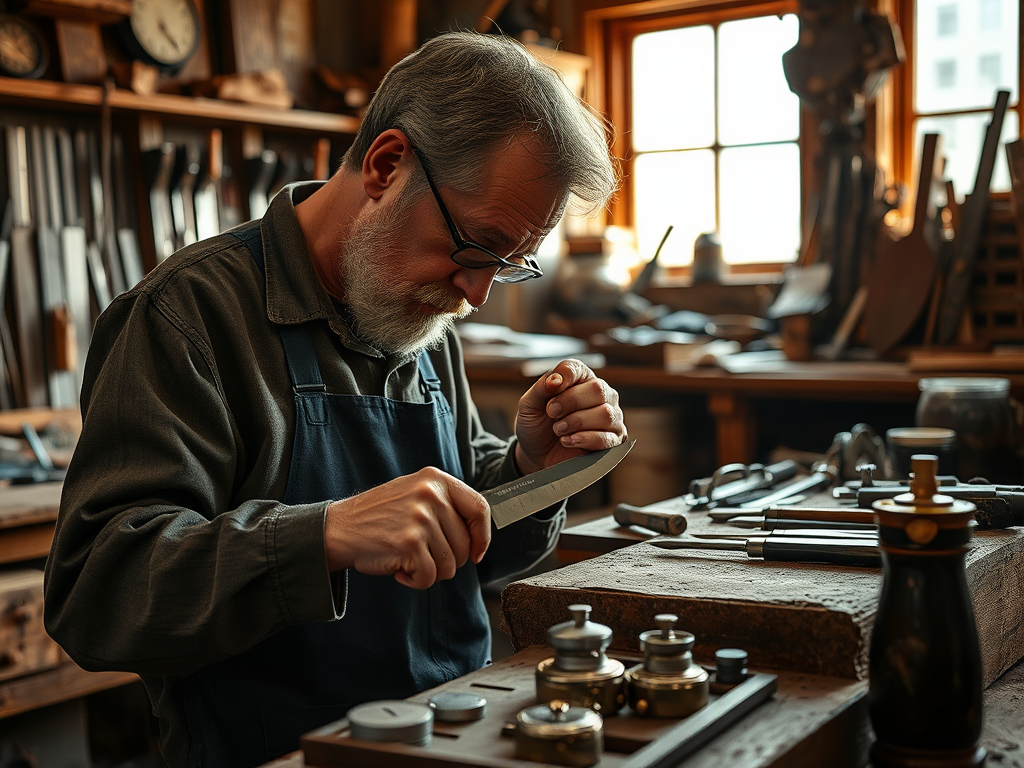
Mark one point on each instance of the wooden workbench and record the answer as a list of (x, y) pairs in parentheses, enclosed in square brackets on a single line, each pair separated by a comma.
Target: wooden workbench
[(731, 398)]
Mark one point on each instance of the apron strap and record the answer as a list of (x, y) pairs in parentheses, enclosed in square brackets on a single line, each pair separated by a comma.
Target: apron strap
[(303, 366)]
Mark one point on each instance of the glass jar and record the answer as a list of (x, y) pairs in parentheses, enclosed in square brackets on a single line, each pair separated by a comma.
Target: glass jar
[(979, 410)]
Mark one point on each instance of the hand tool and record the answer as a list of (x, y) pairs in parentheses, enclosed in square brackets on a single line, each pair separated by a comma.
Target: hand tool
[(46, 196), (522, 497), (972, 218), (157, 165), (776, 524), (796, 533), (828, 514), (75, 249), (90, 194), (660, 522), (260, 173), (208, 189), (126, 218), (801, 485), (184, 176), (108, 241), (8, 393), (712, 491), (998, 506), (24, 272), (789, 549)]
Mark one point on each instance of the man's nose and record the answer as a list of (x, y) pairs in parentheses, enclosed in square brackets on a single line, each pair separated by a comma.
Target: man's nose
[(475, 284)]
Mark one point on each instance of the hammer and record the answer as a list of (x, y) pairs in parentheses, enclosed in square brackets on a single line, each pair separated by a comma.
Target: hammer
[(662, 522)]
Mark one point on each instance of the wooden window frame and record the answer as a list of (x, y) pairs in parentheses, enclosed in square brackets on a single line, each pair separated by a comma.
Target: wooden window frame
[(898, 99), (607, 29)]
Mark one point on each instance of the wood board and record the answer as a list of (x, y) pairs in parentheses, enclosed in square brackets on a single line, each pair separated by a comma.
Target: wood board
[(801, 617), (810, 717)]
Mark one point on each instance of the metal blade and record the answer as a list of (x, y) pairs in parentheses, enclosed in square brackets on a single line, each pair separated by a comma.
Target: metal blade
[(520, 498)]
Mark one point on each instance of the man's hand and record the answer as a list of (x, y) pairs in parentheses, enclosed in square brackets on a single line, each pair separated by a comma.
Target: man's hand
[(419, 528), (566, 413)]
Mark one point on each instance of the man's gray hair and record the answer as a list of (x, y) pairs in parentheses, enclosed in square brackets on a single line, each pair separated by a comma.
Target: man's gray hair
[(463, 96)]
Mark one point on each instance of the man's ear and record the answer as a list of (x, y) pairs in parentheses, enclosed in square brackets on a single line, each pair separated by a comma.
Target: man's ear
[(383, 161)]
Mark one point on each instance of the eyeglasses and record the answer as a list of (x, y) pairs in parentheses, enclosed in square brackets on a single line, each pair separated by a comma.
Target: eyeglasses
[(513, 269)]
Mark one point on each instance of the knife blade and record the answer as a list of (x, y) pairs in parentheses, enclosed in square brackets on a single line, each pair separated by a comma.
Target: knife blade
[(523, 497)]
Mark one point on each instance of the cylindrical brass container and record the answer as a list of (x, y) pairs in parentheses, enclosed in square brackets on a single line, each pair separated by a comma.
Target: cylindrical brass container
[(925, 690), (580, 673), (560, 734), (667, 683)]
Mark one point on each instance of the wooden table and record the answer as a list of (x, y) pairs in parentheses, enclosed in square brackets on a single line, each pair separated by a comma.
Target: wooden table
[(731, 398)]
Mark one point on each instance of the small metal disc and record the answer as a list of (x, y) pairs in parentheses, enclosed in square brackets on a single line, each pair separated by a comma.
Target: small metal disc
[(392, 720), (458, 707)]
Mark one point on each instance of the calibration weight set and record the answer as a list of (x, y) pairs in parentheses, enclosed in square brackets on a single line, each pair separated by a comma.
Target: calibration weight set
[(576, 707)]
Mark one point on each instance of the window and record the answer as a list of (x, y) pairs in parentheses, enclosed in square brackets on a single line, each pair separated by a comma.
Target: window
[(945, 73), (988, 71), (946, 17), (990, 15), (712, 142), (957, 104)]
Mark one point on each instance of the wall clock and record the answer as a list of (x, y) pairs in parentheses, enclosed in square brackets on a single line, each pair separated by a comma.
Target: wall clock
[(164, 33), (23, 53)]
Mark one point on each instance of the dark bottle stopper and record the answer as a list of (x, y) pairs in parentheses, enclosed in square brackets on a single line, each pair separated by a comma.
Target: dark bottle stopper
[(730, 666)]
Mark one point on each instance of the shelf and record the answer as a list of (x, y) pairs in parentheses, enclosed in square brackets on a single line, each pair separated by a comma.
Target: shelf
[(53, 95)]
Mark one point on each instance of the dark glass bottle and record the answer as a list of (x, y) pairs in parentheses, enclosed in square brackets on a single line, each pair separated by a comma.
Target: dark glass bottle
[(924, 695)]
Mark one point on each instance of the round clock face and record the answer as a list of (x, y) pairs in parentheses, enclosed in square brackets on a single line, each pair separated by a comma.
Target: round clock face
[(22, 51), (167, 31)]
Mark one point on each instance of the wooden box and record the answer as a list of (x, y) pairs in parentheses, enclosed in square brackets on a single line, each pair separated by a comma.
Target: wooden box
[(24, 645)]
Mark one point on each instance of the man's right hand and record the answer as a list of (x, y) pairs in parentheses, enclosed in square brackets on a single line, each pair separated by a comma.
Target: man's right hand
[(419, 528)]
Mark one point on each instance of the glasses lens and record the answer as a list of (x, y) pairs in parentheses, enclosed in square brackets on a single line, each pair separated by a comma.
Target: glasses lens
[(514, 269), (474, 258)]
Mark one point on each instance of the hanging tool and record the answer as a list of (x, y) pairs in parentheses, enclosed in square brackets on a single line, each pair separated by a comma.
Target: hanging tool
[(835, 551)]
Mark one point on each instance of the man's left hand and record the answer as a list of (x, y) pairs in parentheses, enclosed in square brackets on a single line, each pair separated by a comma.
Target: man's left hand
[(568, 412)]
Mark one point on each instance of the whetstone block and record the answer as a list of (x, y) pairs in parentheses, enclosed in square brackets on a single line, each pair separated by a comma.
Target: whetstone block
[(794, 616)]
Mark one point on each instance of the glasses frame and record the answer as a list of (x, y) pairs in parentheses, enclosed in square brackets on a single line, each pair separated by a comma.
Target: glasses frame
[(516, 273)]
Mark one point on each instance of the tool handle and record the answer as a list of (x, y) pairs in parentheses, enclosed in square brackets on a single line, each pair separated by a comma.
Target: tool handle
[(832, 551), (838, 515), (661, 522)]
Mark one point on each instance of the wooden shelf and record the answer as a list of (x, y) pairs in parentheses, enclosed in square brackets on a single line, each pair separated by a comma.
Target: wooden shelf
[(53, 95), (68, 681)]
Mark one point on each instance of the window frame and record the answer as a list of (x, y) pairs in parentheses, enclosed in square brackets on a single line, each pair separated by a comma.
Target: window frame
[(607, 30), (898, 97)]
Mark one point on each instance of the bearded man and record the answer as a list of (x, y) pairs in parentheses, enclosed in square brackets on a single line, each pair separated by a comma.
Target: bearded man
[(273, 512)]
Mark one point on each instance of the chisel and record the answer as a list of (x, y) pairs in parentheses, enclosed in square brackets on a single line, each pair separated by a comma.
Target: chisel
[(781, 523), (796, 533), (828, 514), (789, 549)]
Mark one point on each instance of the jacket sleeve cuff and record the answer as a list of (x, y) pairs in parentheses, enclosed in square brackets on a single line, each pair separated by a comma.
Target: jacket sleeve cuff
[(296, 553)]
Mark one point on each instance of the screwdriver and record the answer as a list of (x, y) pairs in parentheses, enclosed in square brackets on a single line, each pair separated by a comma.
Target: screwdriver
[(789, 549)]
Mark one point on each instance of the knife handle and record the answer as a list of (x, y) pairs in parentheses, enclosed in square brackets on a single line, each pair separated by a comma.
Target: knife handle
[(661, 522), (833, 551)]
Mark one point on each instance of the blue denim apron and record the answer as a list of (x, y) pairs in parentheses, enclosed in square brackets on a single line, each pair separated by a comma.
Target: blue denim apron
[(392, 641)]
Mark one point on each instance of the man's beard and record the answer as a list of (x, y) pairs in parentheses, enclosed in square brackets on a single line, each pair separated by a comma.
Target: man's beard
[(390, 314)]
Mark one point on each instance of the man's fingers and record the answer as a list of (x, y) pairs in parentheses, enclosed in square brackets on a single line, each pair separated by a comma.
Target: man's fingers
[(566, 374), (473, 509)]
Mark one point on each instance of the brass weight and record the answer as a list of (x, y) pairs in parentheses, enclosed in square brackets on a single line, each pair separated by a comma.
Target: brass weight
[(667, 683)]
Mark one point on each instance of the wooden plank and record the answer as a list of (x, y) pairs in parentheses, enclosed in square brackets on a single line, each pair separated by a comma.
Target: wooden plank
[(26, 543), (22, 505), (810, 720), (804, 617), (70, 95), (68, 681)]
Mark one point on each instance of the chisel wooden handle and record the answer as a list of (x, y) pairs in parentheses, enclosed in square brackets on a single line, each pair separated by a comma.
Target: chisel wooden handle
[(661, 522)]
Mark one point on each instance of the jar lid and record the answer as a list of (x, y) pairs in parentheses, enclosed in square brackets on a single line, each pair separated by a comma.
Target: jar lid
[(920, 436), (665, 640), (580, 634), (457, 707), (392, 720), (558, 719), (966, 385)]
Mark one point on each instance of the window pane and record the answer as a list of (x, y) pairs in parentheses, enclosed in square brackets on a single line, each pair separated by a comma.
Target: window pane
[(962, 137), (676, 188), (964, 51), (674, 89), (760, 203), (755, 103)]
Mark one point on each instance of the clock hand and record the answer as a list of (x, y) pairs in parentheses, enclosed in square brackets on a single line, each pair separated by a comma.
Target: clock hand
[(163, 28)]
